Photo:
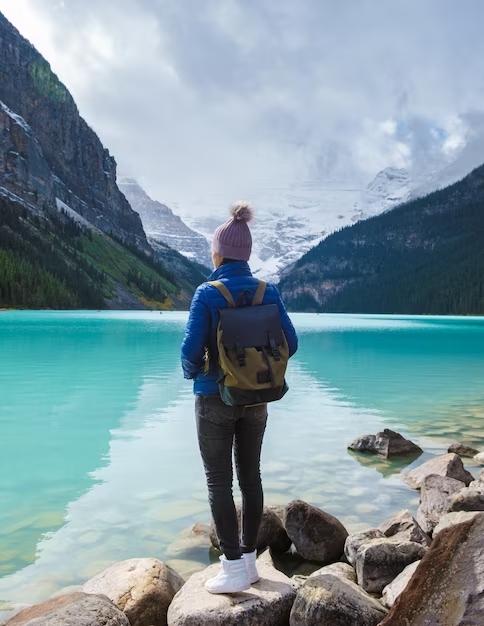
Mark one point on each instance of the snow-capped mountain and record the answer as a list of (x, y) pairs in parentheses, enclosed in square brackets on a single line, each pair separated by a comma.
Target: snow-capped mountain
[(290, 219), (390, 187), (162, 225)]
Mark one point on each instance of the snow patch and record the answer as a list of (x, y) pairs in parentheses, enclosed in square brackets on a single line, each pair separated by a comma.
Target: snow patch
[(62, 206), (18, 119)]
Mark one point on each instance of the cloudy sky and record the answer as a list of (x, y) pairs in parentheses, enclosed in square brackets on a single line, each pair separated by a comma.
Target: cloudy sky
[(217, 99)]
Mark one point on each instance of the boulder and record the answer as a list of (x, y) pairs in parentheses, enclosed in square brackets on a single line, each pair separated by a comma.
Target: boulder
[(354, 542), (447, 465), (448, 587), (386, 444), (141, 588), (404, 526), (434, 500), (380, 561), (341, 570), (328, 599), (462, 450), (468, 499), (451, 519), (267, 603), (396, 587), (479, 458), (73, 609), (317, 536), (272, 533)]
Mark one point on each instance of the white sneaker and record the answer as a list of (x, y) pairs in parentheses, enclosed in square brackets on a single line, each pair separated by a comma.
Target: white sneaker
[(250, 559), (233, 577)]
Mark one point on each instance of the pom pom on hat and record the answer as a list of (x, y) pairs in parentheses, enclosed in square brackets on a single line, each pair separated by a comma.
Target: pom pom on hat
[(241, 211), (233, 240)]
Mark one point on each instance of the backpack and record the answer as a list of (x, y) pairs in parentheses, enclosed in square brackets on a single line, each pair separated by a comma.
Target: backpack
[(252, 351)]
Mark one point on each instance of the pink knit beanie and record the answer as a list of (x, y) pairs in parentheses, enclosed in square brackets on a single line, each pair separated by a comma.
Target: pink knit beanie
[(232, 240)]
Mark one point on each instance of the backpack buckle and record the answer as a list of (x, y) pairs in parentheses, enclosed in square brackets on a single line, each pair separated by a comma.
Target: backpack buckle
[(240, 352), (274, 348)]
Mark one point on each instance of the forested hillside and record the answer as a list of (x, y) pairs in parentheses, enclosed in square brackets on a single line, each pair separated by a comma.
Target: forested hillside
[(50, 261), (423, 257)]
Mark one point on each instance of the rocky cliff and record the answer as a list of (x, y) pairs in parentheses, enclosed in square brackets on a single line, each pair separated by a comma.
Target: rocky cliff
[(164, 227), (68, 236), (48, 152)]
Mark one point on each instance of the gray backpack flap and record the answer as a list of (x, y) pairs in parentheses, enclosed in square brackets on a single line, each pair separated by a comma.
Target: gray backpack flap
[(253, 352), (252, 326)]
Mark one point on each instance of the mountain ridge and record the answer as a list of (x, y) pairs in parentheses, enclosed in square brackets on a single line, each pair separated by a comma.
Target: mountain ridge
[(422, 257)]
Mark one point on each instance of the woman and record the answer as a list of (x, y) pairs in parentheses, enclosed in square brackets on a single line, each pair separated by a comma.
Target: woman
[(222, 428)]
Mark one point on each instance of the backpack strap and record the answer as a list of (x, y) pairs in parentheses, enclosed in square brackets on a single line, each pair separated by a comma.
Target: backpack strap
[(259, 293), (224, 291), (257, 299)]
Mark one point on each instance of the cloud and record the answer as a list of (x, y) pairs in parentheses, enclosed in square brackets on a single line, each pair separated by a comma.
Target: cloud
[(215, 100)]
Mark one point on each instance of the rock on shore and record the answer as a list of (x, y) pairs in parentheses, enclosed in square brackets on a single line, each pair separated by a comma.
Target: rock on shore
[(446, 465), (435, 499), (73, 609), (317, 535), (448, 586), (267, 603), (328, 599), (405, 526), (141, 588), (380, 561), (386, 444), (463, 450)]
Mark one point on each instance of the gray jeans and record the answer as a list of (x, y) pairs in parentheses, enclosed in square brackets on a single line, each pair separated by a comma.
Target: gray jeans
[(221, 429)]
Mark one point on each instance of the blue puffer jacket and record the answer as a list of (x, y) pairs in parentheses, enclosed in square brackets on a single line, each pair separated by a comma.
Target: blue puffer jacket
[(201, 330)]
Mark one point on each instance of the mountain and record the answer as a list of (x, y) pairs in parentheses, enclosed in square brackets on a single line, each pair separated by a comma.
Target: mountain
[(292, 220), (164, 227), (49, 151), (424, 257), (389, 188), (64, 224), (289, 221)]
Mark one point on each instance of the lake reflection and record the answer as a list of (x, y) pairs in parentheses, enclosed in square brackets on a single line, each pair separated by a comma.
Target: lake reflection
[(99, 455)]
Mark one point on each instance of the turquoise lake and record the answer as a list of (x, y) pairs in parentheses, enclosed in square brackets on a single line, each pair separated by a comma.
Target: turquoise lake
[(99, 459)]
